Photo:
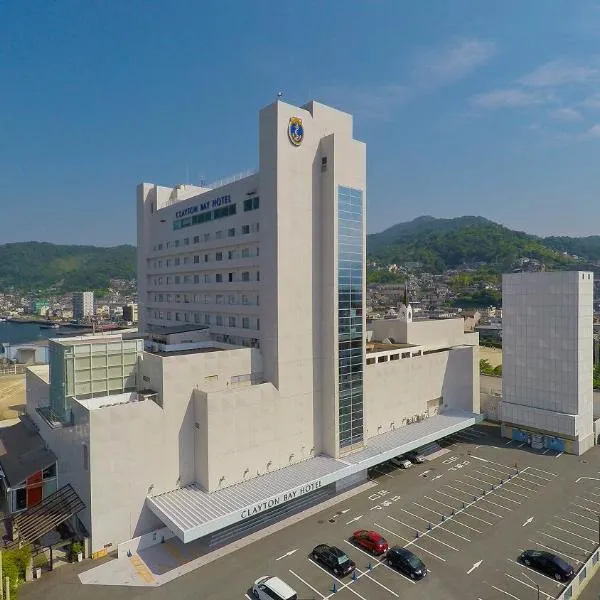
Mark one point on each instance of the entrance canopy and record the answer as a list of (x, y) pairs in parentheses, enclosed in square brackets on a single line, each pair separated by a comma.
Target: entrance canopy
[(191, 513)]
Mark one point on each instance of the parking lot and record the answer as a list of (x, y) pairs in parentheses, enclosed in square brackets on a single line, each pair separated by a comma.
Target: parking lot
[(467, 514)]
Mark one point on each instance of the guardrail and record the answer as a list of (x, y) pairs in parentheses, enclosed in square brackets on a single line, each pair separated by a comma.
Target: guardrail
[(14, 370), (582, 577)]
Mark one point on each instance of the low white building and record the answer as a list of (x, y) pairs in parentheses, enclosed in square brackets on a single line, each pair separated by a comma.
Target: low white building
[(258, 389)]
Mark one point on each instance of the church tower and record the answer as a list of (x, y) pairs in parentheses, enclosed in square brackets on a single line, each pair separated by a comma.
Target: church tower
[(405, 312)]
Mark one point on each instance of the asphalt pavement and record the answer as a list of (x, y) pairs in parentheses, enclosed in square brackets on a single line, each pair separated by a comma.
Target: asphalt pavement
[(467, 514)]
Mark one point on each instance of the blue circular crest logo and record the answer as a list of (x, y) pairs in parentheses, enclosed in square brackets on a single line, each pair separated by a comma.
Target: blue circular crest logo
[(295, 131)]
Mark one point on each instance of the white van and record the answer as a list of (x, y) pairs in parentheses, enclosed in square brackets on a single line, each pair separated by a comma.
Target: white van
[(272, 588)]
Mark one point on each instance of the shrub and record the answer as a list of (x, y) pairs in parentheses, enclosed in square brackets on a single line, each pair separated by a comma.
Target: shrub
[(14, 563)]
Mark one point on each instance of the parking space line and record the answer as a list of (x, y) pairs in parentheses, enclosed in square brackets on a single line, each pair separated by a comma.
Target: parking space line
[(452, 520), (540, 485), (574, 534), (466, 514), (382, 472), (306, 583), (496, 489), (555, 550), (365, 574), (586, 500), (504, 483), (577, 524), (523, 487), (485, 499), (528, 585), (563, 541), (342, 584), (541, 471), (504, 473), (507, 593), (425, 532), (593, 494), (477, 507), (487, 460), (380, 561), (516, 562), (509, 442), (505, 489), (584, 507), (496, 504), (583, 516), (410, 543)]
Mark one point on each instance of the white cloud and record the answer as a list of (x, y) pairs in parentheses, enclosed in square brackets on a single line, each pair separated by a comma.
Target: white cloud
[(430, 70), (566, 114), (437, 68), (593, 132), (592, 101), (508, 98), (558, 73)]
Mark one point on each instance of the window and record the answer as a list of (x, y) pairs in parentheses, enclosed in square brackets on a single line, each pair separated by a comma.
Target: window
[(251, 204), (206, 258), (196, 278), (168, 315), (256, 227), (231, 299), (86, 457), (169, 262), (186, 241), (168, 280), (245, 229), (219, 278), (230, 254), (186, 317), (177, 279), (257, 300), (219, 298), (196, 239), (196, 259), (206, 299), (176, 243), (207, 237), (206, 278), (245, 300), (231, 321), (257, 275), (169, 298), (168, 244), (206, 319), (186, 260), (219, 256), (219, 320), (231, 232), (230, 277), (257, 251), (187, 279), (245, 322), (178, 316), (196, 317), (160, 246), (21, 493), (219, 235), (245, 276), (49, 472), (177, 261), (257, 323), (245, 252)]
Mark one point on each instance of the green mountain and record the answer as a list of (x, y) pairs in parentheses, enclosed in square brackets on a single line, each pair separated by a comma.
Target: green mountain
[(439, 244), (31, 266)]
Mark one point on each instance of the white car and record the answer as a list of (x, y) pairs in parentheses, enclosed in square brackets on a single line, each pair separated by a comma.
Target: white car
[(403, 463), (272, 588)]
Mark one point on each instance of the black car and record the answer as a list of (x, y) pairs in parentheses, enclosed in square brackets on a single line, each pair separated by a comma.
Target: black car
[(406, 562), (415, 457), (547, 563), (334, 559)]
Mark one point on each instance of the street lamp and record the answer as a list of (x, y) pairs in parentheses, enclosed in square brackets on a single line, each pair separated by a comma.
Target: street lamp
[(534, 583)]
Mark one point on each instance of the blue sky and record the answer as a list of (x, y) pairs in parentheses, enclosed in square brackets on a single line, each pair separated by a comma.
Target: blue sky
[(467, 107)]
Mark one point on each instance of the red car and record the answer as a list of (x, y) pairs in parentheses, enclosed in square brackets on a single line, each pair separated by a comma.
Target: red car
[(371, 541)]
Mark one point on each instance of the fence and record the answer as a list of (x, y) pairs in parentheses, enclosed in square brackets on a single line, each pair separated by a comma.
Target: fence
[(582, 577), (13, 370)]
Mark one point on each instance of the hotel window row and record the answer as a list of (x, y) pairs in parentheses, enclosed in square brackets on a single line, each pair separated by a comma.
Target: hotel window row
[(242, 299), (231, 277), (220, 234), (216, 319), (206, 257)]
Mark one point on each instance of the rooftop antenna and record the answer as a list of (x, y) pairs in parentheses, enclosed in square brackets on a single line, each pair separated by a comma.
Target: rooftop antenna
[(279, 95)]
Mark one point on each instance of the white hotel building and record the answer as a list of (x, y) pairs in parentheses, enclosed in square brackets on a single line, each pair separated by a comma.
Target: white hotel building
[(260, 388)]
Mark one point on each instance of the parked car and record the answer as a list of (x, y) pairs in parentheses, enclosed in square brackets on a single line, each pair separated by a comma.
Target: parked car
[(415, 457), (401, 462), (547, 563), (272, 588), (370, 540), (334, 559), (406, 562)]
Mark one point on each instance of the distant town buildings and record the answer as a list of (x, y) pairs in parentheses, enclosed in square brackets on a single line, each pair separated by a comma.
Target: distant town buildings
[(547, 356), (130, 313), (83, 305)]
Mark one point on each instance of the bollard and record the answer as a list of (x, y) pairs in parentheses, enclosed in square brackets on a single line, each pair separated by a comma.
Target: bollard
[(474, 498), (129, 553), (510, 475), (452, 512), (429, 526), (370, 567), (416, 534), (354, 575), (493, 487), (502, 482), (333, 588), (463, 505), (443, 518)]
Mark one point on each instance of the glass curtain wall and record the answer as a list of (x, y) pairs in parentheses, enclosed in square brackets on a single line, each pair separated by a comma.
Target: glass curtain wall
[(350, 315)]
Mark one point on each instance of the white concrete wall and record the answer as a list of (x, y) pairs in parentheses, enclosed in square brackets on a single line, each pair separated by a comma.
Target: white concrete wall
[(547, 351), (128, 443), (66, 443), (399, 389)]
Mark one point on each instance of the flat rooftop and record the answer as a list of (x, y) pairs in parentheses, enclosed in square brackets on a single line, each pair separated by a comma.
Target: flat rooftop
[(381, 347), (202, 350)]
